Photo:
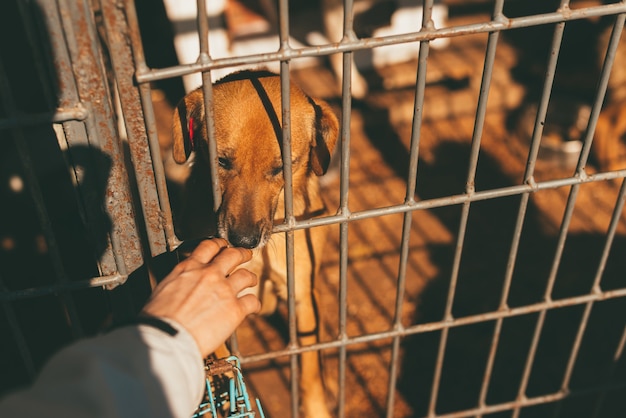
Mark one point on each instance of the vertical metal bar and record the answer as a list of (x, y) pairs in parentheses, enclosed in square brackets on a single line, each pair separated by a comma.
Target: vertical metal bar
[(547, 297), (343, 310), (207, 90), (346, 118), (74, 132), (542, 109), (470, 189), (567, 217), (348, 33), (418, 113), (595, 288), (615, 220), (118, 247), (209, 110), (482, 397), (528, 179), (619, 351), (343, 302), (343, 231), (289, 235), (93, 91), (143, 146), (600, 93), (285, 83), (203, 28), (283, 24)]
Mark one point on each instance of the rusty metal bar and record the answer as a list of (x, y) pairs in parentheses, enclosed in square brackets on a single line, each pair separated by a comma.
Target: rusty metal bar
[(145, 95), (93, 92), (144, 153), (71, 112), (111, 261)]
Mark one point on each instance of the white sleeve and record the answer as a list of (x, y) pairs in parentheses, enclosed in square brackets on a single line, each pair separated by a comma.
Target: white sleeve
[(135, 371)]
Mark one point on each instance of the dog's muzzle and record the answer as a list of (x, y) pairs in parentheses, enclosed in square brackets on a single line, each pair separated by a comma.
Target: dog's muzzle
[(249, 235)]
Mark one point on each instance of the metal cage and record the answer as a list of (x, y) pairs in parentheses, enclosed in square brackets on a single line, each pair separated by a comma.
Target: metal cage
[(515, 309)]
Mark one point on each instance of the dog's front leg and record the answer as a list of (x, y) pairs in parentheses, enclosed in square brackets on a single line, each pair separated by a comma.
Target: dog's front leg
[(311, 385)]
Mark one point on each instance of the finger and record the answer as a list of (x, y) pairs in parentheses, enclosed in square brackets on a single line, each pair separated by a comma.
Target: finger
[(230, 258), (250, 304), (242, 279), (208, 249)]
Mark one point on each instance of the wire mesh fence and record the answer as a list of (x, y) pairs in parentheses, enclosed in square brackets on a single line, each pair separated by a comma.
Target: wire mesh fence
[(474, 263)]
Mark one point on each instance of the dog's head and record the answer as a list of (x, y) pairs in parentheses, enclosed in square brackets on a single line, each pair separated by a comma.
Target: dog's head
[(248, 129)]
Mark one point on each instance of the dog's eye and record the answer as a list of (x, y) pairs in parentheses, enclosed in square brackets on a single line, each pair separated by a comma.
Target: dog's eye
[(276, 171), (225, 163)]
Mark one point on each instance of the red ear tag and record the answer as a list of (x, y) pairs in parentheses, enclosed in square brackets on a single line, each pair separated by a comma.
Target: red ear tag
[(191, 134)]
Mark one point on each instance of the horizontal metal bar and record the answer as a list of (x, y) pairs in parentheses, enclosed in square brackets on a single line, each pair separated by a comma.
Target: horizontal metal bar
[(78, 113), (439, 325), (536, 400), (285, 52), (452, 200), (109, 281)]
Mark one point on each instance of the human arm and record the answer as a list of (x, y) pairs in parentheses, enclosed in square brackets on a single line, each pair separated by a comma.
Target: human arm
[(142, 370)]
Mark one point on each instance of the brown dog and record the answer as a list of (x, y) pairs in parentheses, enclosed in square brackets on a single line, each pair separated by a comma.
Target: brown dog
[(247, 110)]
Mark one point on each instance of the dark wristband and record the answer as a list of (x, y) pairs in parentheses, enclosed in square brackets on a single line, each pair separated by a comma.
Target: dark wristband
[(157, 323)]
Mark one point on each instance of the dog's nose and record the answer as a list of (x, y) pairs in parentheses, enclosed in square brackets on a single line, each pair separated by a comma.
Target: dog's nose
[(245, 241)]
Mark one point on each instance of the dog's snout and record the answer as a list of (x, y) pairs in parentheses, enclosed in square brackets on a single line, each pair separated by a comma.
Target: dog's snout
[(244, 240), (244, 231)]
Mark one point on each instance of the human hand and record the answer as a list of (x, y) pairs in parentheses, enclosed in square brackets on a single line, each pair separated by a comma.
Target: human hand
[(201, 293)]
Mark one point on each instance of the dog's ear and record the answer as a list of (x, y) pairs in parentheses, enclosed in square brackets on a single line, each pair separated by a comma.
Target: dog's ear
[(326, 132), (187, 121)]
